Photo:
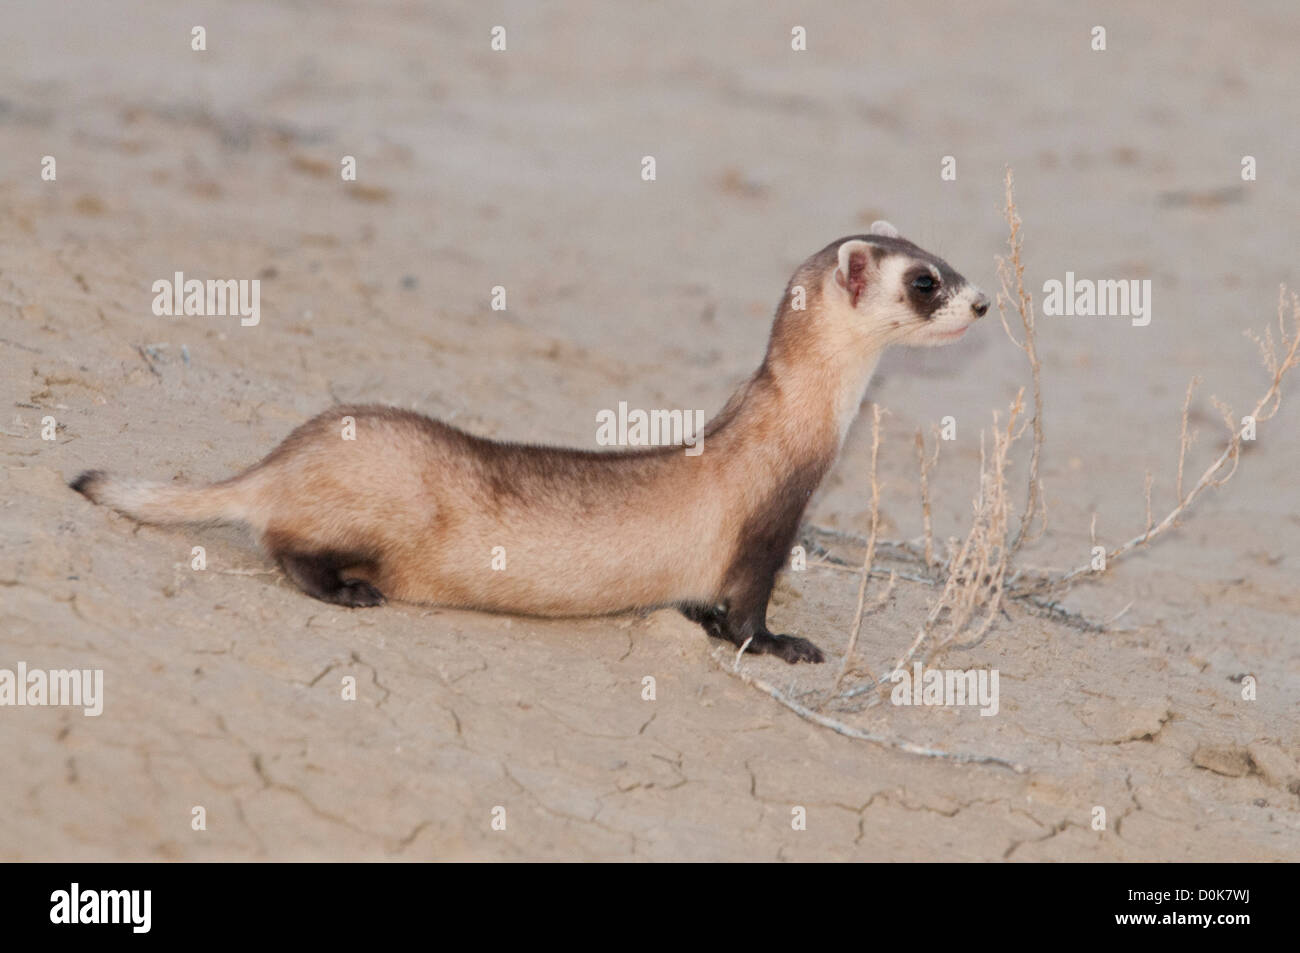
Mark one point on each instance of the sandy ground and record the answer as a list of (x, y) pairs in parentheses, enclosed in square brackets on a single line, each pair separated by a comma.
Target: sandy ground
[(475, 169)]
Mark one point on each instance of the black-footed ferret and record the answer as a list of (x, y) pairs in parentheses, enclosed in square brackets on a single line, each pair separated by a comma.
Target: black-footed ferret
[(413, 509)]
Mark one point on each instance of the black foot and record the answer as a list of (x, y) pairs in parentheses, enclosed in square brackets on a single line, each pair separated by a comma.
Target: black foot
[(711, 618), (359, 594), (319, 575), (789, 647)]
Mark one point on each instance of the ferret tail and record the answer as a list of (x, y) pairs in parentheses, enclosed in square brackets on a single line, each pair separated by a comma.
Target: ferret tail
[(228, 502)]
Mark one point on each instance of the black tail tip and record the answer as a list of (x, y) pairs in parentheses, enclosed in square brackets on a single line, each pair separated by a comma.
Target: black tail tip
[(85, 484)]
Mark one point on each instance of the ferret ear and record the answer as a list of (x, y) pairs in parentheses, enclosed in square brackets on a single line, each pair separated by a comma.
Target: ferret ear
[(851, 274), (883, 229)]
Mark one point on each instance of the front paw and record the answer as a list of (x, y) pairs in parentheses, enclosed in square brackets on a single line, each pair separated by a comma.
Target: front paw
[(789, 647)]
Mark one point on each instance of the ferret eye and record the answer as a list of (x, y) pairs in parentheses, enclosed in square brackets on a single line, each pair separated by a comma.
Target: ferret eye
[(925, 284)]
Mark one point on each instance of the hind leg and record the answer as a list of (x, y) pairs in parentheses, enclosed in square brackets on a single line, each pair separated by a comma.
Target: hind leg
[(320, 575)]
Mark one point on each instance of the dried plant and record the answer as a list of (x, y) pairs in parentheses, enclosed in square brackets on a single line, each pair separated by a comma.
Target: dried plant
[(869, 558), (925, 466), (1279, 358), (976, 574), (1011, 275)]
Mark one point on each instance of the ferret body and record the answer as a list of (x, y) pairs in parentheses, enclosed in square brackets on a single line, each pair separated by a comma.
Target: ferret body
[(415, 510)]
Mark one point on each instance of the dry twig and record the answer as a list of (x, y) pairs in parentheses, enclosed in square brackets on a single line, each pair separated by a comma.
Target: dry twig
[(1011, 274), (849, 731), (870, 556), (925, 467)]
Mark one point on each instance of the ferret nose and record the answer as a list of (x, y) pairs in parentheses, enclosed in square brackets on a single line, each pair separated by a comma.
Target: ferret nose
[(980, 305)]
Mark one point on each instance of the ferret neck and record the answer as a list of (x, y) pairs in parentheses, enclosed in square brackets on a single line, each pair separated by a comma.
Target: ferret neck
[(801, 401)]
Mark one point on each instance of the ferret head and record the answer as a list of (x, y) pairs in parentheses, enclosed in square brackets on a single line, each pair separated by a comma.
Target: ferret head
[(881, 288)]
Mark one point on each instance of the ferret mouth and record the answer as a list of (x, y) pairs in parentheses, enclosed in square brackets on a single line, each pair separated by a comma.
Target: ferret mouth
[(951, 335)]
